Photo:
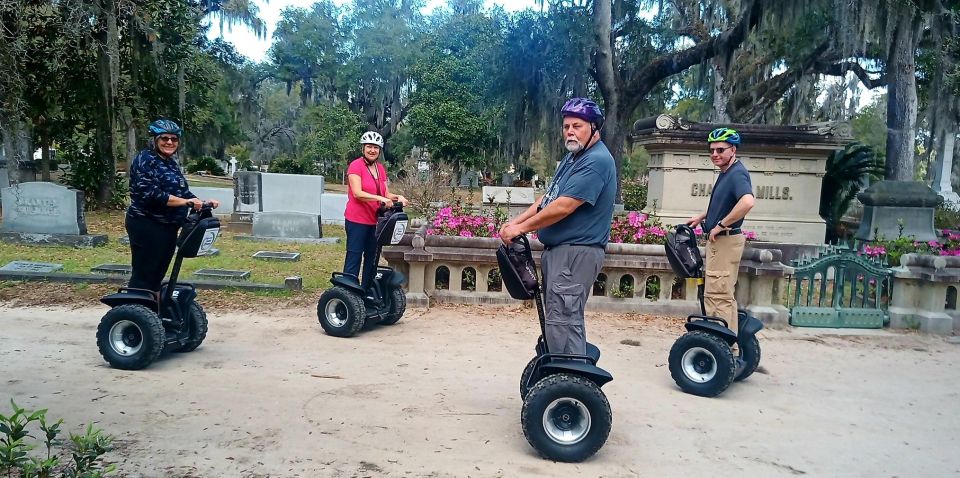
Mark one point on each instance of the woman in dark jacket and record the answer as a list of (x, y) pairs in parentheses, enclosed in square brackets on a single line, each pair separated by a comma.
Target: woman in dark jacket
[(160, 200)]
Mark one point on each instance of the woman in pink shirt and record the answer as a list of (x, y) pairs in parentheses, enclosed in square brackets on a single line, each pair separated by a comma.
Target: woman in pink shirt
[(367, 181)]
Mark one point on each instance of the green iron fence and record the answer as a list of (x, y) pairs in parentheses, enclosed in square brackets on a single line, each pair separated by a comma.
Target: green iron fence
[(839, 288)]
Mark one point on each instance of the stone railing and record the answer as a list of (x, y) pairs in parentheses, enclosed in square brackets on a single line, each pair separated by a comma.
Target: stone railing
[(635, 277), (924, 294)]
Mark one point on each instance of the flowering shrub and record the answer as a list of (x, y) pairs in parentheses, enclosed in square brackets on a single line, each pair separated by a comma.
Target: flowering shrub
[(893, 249), (640, 228), (455, 221)]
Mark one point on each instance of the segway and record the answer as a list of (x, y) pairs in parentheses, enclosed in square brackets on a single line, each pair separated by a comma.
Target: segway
[(702, 360), (565, 415), (138, 327), (346, 308)]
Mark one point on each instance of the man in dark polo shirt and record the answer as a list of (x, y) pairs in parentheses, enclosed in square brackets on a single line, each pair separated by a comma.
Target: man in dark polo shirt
[(731, 200), (572, 221)]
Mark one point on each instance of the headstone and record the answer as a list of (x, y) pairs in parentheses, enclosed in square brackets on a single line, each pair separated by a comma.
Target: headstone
[(898, 208), (4, 177), (277, 256), (332, 206), (223, 274), (44, 208), (507, 179), (124, 269), (287, 225), (941, 181), (786, 165), (45, 214), (224, 195), (27, 266), (248, 191), (503, 195), (291, 192), (124, 239), (233, 165)]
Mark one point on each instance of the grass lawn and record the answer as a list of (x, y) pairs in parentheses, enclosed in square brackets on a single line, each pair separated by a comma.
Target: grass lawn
[(315, 265)]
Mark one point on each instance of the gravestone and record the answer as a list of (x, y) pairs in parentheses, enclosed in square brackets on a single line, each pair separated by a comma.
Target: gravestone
[(247, 192), (895, 208), (470, 179), (223, 274), (4, 177), (45, 213), (224, 195), (277, 256), (786, 165), (332, 206), (27, 266), (124, 269), (290, 192), (503, 195), (289, 227)]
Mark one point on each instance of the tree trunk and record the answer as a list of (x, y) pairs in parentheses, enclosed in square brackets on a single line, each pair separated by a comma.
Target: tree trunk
[(607, 80), (45, 154), (902, 98), (17, 150), (721, 97), (108, 55)]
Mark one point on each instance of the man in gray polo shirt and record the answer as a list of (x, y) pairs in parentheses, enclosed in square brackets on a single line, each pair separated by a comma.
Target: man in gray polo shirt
[(572, 221)]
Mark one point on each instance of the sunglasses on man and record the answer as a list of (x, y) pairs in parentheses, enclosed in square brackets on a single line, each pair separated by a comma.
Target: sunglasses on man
[(719, 150)]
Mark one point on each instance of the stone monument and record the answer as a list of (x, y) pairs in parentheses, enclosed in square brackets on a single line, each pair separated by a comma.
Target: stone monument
[(898, 208), (786, 164), (45, 213)]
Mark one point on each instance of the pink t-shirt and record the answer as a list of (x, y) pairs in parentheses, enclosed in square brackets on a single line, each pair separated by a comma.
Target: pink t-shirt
[(365, 212)]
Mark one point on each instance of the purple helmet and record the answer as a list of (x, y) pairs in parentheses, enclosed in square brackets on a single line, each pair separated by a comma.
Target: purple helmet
[(584, 109)]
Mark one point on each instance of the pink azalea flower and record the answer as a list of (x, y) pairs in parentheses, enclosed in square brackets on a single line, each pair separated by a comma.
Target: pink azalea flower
[(466, 233)]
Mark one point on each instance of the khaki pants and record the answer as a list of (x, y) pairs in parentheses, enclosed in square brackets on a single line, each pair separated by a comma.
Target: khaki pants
[(722, 268)]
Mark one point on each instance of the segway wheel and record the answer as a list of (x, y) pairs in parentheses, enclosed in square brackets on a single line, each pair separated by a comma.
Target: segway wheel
[(197, 323), (525, 377), (341, 312), (702, 364), (566, 418), (130, 337), (398, 305), (750, 355)]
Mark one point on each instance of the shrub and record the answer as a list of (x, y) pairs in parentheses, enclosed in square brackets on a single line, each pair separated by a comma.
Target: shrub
[(288, 165), (85, 450), (455, 221), (634, 194), (206, 163)]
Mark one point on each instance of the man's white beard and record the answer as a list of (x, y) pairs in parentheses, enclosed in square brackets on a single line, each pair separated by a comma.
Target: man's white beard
[(573, 145)]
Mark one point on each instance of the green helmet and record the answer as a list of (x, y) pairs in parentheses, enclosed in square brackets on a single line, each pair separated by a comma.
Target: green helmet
[(726, 135)]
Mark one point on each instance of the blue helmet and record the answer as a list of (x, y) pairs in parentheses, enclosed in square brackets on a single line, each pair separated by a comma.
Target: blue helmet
[(584, 109), (726, 135), (162, 126)]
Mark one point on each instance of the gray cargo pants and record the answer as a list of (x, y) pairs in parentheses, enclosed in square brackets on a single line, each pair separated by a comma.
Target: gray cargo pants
[(568, 275)]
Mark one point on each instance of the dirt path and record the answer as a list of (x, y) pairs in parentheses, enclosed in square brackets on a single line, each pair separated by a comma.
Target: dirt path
[(269, 394)]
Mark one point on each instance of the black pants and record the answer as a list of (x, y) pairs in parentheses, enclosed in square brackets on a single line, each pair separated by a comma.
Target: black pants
[(361, 245), (152, 245)]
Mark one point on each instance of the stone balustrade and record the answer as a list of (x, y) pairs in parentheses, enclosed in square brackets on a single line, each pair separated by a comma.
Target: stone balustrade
[(634, 278), (924, 294)]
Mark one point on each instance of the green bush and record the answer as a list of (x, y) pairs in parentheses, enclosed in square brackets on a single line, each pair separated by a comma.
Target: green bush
[(85, 451), (206, 163), (288, 165), (946, 217), (634, 194)]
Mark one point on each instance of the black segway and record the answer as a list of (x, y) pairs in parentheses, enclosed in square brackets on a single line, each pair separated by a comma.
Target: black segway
[(138, 328), (346, 307), (702, 360), (565, 416)]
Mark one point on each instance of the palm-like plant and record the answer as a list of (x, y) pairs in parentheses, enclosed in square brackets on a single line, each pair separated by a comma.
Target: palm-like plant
[(849, 171)]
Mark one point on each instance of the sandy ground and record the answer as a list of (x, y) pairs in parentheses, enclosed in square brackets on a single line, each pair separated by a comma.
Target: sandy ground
[(268, 394)]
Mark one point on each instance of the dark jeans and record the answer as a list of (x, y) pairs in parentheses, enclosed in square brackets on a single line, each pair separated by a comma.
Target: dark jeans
[(361, 245), (151, 246)]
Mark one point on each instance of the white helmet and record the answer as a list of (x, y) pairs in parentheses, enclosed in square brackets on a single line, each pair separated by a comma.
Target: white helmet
[(372, 137)]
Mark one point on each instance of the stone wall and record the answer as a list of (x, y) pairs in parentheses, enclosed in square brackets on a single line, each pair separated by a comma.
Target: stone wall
[(461, 270), (924, 295)]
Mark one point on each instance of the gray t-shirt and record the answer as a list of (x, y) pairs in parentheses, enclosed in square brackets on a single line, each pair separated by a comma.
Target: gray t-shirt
[(729, 188), (592, 178)]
